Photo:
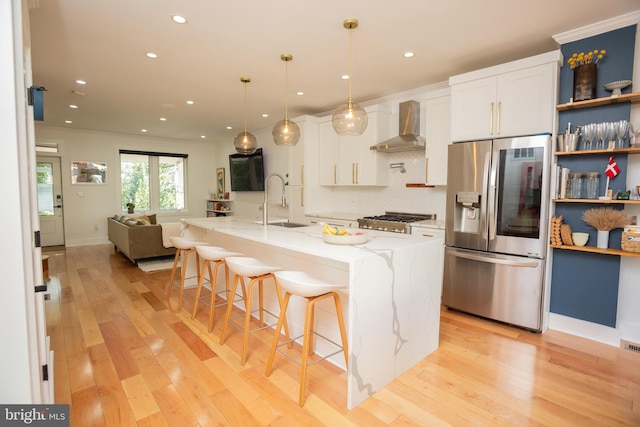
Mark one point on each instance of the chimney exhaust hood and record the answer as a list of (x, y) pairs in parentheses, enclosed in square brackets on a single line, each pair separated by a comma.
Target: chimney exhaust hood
[(409, 129)]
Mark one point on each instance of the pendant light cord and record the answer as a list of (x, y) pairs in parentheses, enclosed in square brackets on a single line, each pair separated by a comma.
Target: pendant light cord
[(245, 108), (350, 62), (286, 90)]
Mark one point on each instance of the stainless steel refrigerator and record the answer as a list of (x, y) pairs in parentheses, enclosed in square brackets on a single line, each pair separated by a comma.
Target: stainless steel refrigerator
[(496, 228)]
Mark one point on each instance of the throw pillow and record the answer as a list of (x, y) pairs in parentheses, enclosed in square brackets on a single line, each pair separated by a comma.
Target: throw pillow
[(143, 218), (123, 218), (152, 219), (116, 217)]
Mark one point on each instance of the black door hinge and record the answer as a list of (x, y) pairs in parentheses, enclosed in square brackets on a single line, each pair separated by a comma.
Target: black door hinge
[(36, 237), (45, 372)]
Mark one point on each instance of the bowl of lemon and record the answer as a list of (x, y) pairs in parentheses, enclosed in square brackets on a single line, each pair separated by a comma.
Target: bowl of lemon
[(340, 236)]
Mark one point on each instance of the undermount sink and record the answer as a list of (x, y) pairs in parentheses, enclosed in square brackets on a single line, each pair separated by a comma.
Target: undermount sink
[(286, 224)]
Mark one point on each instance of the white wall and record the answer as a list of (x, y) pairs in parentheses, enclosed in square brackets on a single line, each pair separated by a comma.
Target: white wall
[(87, 206)]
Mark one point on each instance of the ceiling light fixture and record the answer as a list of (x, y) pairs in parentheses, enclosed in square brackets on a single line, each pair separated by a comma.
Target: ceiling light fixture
[(408, 54), (350, 118), (286, 132), (81, 82), (245, 142), (152, 55), (179, 19)]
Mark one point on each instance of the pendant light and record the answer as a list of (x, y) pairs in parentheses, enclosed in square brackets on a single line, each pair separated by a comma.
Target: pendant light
[(350, 118), (286, 132), (245, 142)]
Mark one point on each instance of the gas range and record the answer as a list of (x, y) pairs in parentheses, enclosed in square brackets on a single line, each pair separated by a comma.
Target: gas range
[(396, 222)]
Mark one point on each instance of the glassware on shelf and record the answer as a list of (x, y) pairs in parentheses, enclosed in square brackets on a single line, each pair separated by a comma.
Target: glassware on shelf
[(611, 135), (622, 131), (588, 134), (592, 185), (575, 185), (601, 135)]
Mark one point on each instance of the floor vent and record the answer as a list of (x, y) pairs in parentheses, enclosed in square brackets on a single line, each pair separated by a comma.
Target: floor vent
[(631, 346)]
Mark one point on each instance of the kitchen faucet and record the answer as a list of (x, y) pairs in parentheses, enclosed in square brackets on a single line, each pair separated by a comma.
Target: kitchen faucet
[(265, 209)]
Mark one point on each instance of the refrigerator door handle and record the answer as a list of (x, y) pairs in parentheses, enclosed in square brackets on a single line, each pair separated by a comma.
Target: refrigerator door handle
[(493, 188), (473, 257)]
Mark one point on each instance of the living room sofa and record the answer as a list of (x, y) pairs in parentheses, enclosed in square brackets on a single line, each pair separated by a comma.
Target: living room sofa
[(137, 237)]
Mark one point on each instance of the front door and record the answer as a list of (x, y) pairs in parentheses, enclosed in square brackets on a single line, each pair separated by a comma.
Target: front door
[(50, 210)]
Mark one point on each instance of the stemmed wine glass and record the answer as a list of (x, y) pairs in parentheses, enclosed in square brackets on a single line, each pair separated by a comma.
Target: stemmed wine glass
[(622, 130), (601, 134), (588, 133), (612, 130)]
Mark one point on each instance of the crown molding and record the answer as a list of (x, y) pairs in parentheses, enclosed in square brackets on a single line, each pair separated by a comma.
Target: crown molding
[(598, 28)]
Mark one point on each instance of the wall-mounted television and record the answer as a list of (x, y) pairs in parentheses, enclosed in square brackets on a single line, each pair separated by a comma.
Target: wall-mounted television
[(247, 171)]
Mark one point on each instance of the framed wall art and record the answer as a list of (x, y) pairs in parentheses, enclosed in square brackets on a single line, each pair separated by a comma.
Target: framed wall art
[(88, 173), (220, 182)]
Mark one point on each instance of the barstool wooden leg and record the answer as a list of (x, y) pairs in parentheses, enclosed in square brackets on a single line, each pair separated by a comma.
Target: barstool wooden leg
[(205, 264), (261, 300), (236, 279), (281, 320), (173, 273), (183, 273), (247, 321), (280, 303), (212, 303), (306, 351), (343, 333)]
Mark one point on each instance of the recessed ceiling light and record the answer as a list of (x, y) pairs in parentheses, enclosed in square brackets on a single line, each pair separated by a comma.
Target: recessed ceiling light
[(179, 19), (81, 82), (300, 93), (229, 127), (190, 102), (345, 77), (163, 119), (152, 55), (73, 106), (408, 54), (143, 130), (203, 136), (265, 115), (68, 122)]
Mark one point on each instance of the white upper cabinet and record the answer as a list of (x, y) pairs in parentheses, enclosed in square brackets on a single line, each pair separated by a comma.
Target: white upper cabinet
[(503, 101), (308, 135), (437, 139), (348, 160)]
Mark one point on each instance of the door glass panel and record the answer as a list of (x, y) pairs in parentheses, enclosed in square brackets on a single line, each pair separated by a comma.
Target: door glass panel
[(519, 197), (44, 178)]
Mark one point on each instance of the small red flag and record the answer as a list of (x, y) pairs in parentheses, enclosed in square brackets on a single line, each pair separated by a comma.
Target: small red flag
[(612, 168)]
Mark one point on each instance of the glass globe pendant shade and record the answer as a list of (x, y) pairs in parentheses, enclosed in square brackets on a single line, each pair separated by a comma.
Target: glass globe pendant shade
[(245, 143), (349, 119), (286, 133)]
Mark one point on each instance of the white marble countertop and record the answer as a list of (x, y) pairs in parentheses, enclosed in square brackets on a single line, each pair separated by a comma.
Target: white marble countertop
[(307, 239), (347, 216)]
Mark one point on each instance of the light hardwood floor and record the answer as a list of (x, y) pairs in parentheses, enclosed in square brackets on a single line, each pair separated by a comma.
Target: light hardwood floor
[(122, 358)]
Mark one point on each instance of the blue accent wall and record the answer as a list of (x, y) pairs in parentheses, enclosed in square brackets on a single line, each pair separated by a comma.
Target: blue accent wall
[(585, 285)]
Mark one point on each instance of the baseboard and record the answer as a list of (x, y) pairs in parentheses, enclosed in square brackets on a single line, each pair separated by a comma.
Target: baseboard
[(582, 328), (86, 242)]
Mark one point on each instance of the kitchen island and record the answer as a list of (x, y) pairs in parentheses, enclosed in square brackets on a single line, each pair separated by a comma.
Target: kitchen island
[(391, 296)]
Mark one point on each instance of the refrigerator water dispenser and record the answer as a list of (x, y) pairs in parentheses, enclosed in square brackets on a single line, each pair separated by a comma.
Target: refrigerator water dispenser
[(468, 212)]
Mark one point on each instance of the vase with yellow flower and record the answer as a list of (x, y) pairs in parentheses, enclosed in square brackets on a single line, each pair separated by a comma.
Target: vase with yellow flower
[(584, 73)]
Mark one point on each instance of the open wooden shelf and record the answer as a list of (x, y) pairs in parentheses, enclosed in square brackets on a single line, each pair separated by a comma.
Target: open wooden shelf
[(627, 150), (606, 202), (593, 249), (627, 97)]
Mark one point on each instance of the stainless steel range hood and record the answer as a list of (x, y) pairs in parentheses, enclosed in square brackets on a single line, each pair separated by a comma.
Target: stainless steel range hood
[(409, 129)]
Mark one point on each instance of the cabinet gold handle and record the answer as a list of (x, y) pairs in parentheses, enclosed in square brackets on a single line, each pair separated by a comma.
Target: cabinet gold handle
[(353, 173), (491, 120), (357, 172), (499, 108), (426, 170)]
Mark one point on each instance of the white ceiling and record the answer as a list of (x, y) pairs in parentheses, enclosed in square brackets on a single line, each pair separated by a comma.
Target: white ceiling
[(105, 42)]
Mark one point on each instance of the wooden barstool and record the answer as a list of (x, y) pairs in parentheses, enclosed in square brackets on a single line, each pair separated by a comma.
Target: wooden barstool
[(216, 255), (256, 271), (183, 246), (302, 284)]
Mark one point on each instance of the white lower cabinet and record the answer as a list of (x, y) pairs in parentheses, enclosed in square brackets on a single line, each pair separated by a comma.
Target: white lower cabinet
[(348, 160), (296, 204)]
